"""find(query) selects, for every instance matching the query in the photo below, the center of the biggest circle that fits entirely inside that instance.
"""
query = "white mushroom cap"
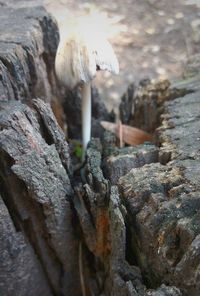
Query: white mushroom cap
(83, 50)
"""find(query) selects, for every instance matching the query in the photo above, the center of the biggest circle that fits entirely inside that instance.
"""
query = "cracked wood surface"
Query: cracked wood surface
(135, 210)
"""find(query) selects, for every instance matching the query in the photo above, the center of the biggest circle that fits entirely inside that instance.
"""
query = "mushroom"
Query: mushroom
(82, 51)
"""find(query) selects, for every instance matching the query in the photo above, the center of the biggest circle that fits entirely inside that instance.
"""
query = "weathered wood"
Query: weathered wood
(163, 204)
(142, 106)
(52, 132)
(37, 190)
(156, 218)
(20, 269)
(127, 222)
(28, 41)
(103, 220)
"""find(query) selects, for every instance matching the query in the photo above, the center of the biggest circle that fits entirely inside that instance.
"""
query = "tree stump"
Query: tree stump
(127, 222)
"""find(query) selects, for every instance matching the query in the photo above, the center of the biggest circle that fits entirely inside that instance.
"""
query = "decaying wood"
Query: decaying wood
(126, 223)
(37, 187)
(20, 269)
(142, 106)
(162, 201)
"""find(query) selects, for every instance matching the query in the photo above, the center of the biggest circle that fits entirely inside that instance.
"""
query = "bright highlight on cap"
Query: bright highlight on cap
(83, 49)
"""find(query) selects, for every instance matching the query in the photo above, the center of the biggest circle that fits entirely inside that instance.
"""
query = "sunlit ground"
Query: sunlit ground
(152, 39)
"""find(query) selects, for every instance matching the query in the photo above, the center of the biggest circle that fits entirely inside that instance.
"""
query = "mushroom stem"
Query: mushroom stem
(86, 115)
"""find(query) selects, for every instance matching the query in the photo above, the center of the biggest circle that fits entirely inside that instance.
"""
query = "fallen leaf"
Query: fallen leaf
(126, 133)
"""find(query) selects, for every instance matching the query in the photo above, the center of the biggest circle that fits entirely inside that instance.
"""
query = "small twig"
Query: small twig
(80, 262)
(121, 143)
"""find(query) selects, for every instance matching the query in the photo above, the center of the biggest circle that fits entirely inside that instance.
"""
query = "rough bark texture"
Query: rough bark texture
(20, 269)
(39, 248)
(127, 222)
(28, 41)
(162, 201)
(37, 191)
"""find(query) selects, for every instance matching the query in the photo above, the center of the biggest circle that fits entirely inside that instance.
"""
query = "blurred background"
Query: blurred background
(152, 38)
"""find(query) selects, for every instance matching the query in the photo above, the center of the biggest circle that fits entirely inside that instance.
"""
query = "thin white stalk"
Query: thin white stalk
(86, 115)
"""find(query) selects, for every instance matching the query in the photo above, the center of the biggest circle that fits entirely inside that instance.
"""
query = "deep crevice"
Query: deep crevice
(5, 192)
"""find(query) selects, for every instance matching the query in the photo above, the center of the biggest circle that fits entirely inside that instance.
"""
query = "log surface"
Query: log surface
(38, 250)
(128, 222)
